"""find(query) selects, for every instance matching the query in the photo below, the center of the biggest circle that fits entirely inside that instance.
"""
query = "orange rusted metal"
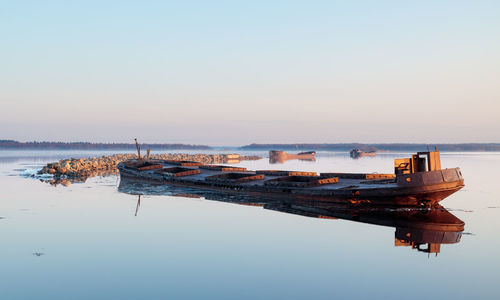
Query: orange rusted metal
(300, 181)
(234, 177)
(223, 168)
(285, 173)
(376, 176)
(179, 171)
(149, 167)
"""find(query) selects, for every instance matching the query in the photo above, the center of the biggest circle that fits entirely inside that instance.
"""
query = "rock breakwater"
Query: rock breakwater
(82, 168)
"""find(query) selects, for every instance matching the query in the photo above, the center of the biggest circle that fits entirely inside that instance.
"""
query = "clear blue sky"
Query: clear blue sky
(236, 72)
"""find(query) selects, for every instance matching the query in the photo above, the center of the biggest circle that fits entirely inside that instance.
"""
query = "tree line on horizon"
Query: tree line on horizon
(11, 144)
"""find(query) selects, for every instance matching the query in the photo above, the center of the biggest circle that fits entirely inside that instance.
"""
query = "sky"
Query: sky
(240, 72)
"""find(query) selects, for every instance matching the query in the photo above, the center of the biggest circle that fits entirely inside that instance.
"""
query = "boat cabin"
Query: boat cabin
(420, 162)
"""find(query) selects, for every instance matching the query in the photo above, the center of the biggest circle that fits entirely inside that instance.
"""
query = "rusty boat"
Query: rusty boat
(276, 156)
(357, 153)
(417, 181)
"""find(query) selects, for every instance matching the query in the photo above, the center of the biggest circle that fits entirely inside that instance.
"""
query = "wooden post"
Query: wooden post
(138, 149)
(138, 204)
(147, 153)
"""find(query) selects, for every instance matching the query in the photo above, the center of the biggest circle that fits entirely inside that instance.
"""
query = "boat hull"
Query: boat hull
(425, 188)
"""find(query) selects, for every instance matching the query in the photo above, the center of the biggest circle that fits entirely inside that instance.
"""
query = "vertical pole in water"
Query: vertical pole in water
(138, 149)
(138, 204)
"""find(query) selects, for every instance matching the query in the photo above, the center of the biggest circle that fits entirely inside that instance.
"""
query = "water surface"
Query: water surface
(85, 241)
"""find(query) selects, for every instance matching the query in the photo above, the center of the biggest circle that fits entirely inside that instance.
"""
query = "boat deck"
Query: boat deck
(341, 184)
(219, 174)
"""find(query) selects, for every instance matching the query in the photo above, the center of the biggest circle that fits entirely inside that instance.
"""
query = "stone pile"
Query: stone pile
(88, 167)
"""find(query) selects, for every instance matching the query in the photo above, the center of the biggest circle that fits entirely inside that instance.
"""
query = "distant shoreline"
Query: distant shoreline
(381, 147)
(465, 147)
(15, 145)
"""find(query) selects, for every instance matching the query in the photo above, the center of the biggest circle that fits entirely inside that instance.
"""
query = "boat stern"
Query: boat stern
(421, 175)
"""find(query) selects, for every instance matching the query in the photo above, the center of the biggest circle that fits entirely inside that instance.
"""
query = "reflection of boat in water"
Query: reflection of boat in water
(281, 156)
(357, 153)
(418, 180)
(424, 229)
(415, 227)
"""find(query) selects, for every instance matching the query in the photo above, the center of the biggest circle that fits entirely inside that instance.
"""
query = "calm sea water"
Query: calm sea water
(85, 241)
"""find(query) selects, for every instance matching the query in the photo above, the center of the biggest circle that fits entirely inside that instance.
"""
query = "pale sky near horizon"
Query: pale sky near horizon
(237, 72)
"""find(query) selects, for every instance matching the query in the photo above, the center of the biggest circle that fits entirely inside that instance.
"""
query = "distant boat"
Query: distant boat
(355, 153)
(276, 156)
(307, 153)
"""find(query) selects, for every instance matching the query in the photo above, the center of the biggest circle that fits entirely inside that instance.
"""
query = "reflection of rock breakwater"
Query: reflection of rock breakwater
(74, 169)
